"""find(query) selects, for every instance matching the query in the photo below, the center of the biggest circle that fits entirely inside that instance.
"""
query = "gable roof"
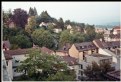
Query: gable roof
(16, 52)
(101, 44)
(98, 43)
(85, 46)
(69, 60)
(111, 44)
(46, 50)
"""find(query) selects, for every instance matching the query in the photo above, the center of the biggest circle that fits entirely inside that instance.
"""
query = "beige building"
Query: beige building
(79, 50)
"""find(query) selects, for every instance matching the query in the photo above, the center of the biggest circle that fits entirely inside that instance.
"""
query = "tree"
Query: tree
(35, 11)
(90, 32)
(42, 67)
(67, 22)
(20, 17)
(77, 37)
(65, 37)
(32, 11)
(31, 25)
(45, 17)
(97, 72)
(6, 17)
(21, 40)
(60, 23)
(43, 38)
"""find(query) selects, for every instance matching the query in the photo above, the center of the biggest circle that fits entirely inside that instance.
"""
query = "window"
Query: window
(81, 66)
(16, 61)
(80, 47)
(81, 72)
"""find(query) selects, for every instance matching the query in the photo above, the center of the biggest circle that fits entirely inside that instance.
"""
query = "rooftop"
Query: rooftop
(69, 60)
(85, 46)
(98, 55)
(115, 74)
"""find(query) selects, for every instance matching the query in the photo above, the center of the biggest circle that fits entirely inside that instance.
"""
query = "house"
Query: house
(112, 48)
(107, 45)
(43, 24)
(6, 75)
(99, 30)
(6, 45)
(80, 49)
(116, 30)
(98, 58)
(69, 27)
(16, 56)
(57, 30)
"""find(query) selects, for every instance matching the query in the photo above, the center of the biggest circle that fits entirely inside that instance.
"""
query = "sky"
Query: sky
(83, 12)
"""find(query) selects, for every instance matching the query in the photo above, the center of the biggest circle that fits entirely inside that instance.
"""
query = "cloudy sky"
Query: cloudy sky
(84, 12)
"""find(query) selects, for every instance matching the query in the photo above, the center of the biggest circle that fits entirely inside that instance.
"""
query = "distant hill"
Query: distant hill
(108, 25)
(113, 23)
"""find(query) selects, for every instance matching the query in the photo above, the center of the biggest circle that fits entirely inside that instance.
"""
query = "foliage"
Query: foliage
(43, 38)
(77, 37)
(97, 72)
(31, 25)
(60, 23)
(32, 11)
(20, 17)
(65, 37)
(41, 67)
(21, 40)
(45, 17)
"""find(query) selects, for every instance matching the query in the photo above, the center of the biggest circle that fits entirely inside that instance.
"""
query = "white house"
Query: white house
(57, 30)
(98, 58)
(69, 27)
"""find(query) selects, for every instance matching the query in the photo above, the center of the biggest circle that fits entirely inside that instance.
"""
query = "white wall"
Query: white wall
(10, 69)
(108, 53)
(15, 64)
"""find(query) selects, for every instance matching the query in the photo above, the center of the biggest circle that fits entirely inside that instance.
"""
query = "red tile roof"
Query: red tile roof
(115, 74)
(85, 46)
(70, 60)
(46, 50)
(98, 43)
(16, 52)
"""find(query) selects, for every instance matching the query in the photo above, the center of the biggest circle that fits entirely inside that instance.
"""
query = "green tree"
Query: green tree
(21, 40)
(90, 32)
(77, 37)
(32, 11)
(97, 72)
(45, 17)
(65, 37)
(60, 23)
(31, 25)
(43, 38)
(42, 67)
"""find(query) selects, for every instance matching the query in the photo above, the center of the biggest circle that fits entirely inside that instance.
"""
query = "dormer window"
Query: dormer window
(64, 48)
(80, 47)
